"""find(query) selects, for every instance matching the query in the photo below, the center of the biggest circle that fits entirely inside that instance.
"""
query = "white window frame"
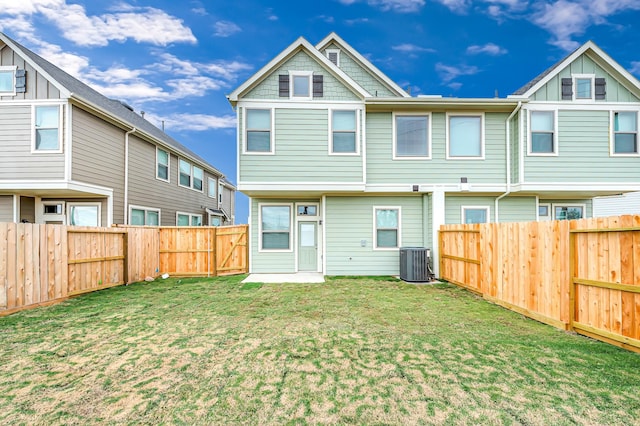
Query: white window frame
(190, 216)
(575, 78)
(612, 136)
(12, 69)
(395, 136)
(291, 218)
(482, 135)
(375, 228)
(211, 216)
(71, 204)
(168, 164)
(556, 138)
(463, 212)
(145, 209)
(337, 52)
(549, 215)
(191, 175)
(357, 132)
(305, 217)
(292, 76)
(554, 205)
(211, 183)
(33, 129)
(272, 130)
(54, 217)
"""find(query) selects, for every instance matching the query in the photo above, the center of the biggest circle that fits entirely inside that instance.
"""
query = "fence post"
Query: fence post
(213, 254)
(572, 274)
(125, 254)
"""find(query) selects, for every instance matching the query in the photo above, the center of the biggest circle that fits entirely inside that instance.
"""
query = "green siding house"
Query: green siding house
(342, 167)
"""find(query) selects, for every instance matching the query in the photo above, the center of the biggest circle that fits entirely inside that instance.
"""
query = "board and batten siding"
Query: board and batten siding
(98, 156)
(360, 75)
(551, 91)
(302, 139)
(147, 191)
(350, 222)
(333, 90)
(17, 162)
(269, 262)
(38, 87)
(583, 153)
(6, 208)
(382, 168)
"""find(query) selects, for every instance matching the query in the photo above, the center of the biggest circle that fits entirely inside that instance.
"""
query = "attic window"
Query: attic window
(300, 85)
(7, 80)
(334, 56)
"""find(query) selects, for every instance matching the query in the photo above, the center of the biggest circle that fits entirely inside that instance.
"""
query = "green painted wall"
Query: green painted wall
(583, 143)
(302, 152)
(512, 209)
(349, 221)
(616, 92)
(265, 262)
(333, 89)
(381, 168)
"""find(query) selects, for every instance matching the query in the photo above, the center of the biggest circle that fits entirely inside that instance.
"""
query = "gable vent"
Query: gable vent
(334, 56)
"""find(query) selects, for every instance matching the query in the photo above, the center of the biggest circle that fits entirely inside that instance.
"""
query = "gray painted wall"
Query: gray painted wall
(6, 208)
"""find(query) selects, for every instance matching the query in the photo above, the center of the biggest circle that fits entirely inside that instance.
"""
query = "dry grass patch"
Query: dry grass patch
(363, 351)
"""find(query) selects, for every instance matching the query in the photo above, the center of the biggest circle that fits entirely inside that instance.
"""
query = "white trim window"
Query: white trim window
(333, 55)
(465, 136)
(624, 138)
(411, 136)
(259, 131)
(144, 216)
(544, 211)
(211, 187)
(569, 211)
(190, 176)
(47, 125)
(188, 219)
(275, 227)
(163, 159)
(542, 133)
(344, 136)
(475, 214)
(83, 214)
(8, 80)
(584, 85)
(301, 85)
(386, 228)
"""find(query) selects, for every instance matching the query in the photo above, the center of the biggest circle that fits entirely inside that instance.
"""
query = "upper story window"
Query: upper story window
(583, 87)
(333, 55)
(190, 176)
(258, 124)
(144, 216)
(211, 187)
(47, 124)
(473, 214)
(542, 139)
(7, 80)
(625, 133)
(300, 85)
(387, 227)
(162, 164)
(411, 136)
(465, 136)
(343, 132)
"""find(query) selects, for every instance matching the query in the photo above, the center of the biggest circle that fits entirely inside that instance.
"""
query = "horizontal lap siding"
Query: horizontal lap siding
(266, 262)
(453, 207)
(583, 143)
(16, 159)
(382, 168)
(6, 208)
(349, 220)
(301, 134)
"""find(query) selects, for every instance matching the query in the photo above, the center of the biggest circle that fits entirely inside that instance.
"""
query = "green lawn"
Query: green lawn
(363, 351)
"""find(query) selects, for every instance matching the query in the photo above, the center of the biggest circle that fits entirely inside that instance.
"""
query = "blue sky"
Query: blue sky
(176, 60)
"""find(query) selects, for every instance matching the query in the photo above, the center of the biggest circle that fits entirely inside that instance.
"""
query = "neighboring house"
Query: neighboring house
(617, 205)
(343, 167)
(72, 156)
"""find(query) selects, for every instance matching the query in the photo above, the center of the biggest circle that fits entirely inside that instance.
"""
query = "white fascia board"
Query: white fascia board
(301, 187)
(55, 185)
(578, 186)
(299, 44)
(447, 187)
(333, 37)
(64, 92)
(598, 54)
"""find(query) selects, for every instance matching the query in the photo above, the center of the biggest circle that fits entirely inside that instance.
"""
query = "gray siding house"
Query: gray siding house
(72, 156)
(343, 167)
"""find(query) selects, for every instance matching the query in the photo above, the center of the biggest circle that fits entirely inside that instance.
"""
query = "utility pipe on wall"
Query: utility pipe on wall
(508, 160)
(126, 176)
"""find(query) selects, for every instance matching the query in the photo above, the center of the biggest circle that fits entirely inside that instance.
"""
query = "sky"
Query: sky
(177, 60)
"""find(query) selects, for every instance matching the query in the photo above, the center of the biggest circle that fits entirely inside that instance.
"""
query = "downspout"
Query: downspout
(126, 175)
(508, 160)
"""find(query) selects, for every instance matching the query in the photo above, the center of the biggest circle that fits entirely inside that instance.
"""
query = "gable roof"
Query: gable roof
(364, 62)
(590, 49)
(73, 88)
(299, 45)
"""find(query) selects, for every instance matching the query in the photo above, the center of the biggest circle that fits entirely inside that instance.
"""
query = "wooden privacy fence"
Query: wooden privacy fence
(44, 264)
(582, 275)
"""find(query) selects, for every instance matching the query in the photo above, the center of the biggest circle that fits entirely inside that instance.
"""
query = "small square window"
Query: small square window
(583, 88)
(543, 211)
(475, 215)
(301, 86)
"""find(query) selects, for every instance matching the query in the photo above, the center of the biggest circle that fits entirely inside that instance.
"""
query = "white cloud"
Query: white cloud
(449, 73)
(200, 11)
(225, 29)
(400, 6)
(356, 21)
(26, 7)
(455, 85)
(458, 6)
(489, 49)
(411, 48)
(194, 122)
(326, 18)
(635, 68)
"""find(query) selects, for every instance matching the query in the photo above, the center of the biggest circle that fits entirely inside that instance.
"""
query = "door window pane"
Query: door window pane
(307, 235)
(465, 136)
